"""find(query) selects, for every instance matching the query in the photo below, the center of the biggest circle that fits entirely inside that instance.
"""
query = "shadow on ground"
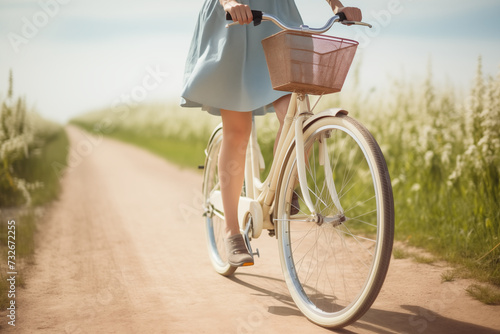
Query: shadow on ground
(413, 320)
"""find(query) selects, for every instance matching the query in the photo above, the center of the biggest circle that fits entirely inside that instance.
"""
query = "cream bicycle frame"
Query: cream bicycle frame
(260, 196)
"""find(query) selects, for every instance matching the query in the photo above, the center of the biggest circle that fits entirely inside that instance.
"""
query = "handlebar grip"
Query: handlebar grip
(257, 17)
(341, 16)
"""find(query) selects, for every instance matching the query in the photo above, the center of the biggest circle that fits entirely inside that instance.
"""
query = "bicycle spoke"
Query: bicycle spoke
(364, 214)
(357, 203)
(353, 254)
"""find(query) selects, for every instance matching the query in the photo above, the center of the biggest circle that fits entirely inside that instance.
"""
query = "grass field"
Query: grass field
(442, 148)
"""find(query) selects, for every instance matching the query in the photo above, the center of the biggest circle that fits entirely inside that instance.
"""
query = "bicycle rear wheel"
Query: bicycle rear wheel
(214, 217)
(335, 264)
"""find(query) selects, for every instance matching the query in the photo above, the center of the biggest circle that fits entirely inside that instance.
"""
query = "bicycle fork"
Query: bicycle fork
(324, 160)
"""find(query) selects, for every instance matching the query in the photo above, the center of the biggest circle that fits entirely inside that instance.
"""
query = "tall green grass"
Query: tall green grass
(443, 153)
(23, 137)
(28, 146)
(442, 148)
(37, 168)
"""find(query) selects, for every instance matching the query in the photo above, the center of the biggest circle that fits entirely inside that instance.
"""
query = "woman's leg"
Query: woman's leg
(236, 128)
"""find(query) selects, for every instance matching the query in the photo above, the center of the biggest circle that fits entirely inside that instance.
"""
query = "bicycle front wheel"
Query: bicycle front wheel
(214, 216)
(335, 259)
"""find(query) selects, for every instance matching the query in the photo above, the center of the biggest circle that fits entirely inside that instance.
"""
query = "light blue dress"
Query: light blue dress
(226, 67)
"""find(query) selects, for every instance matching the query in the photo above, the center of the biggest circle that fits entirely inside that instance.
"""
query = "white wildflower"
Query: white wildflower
(490, 123)
(22, 186)
(473, 157)
(457, 172)
(428, 158)
(395, 182)
(445, 154)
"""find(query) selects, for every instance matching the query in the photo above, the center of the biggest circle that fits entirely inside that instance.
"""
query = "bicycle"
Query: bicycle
(335, 246)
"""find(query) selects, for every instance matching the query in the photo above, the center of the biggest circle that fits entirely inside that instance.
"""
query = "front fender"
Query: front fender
(332, 112)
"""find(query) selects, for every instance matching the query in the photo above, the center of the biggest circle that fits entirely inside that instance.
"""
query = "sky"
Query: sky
(69, 57)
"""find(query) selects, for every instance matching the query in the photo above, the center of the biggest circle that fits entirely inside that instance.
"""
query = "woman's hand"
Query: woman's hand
(351, 13)
(239, 12)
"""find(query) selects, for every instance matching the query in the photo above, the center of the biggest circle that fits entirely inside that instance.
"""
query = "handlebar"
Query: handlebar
(259, 16)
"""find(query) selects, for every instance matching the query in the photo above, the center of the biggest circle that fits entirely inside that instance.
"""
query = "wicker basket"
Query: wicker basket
(309, 64)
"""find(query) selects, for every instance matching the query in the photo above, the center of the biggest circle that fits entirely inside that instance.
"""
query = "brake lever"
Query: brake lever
(356, 23)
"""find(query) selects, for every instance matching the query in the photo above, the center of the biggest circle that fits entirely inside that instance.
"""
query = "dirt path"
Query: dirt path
(123, 251)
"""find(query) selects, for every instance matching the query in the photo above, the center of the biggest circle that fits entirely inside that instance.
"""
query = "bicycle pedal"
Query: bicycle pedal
(256, 252)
